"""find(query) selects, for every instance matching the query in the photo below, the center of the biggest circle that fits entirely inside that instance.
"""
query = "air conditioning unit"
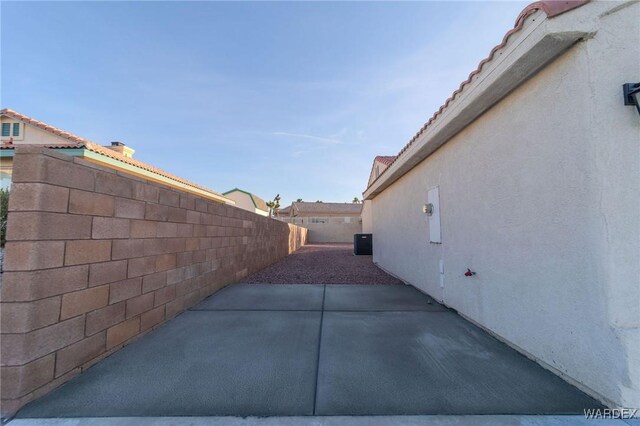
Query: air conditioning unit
(363, 244)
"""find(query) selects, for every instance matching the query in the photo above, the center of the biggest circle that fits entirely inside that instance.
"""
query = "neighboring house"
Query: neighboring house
(326, 222)
(529, 177)
(248, 201)
(380, 164)
(283, 212)
(18, 129)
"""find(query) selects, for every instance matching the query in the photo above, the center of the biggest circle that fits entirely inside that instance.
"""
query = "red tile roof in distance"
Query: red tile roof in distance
(550, 8)
(385, 159)
(81, 143)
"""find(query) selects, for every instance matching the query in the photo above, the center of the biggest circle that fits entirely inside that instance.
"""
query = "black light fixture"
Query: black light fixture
(631, 93)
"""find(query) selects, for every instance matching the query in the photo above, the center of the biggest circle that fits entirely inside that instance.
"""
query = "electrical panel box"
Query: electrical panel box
(433, 198)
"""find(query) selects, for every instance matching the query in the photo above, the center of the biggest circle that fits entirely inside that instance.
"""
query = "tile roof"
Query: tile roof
(260, 203)
(82, 143)
(326, 208)
(550, 7)
(385, 159)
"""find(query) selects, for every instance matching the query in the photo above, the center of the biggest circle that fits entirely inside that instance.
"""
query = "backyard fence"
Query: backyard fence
(96, 257)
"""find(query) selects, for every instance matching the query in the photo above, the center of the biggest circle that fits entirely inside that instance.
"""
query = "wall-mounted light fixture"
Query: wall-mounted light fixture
(427, 209)
(631, 93)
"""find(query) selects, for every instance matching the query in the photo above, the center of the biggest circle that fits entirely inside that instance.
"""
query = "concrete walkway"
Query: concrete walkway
(328, 263)
(325, 350)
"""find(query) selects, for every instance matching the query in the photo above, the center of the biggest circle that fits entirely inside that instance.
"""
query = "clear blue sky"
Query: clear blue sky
(289, 98)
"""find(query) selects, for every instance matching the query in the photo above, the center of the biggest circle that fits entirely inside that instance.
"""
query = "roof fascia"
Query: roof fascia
(116, 164)
(532, 48)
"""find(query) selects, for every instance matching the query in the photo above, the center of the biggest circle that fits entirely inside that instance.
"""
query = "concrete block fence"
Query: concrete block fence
(96, 258)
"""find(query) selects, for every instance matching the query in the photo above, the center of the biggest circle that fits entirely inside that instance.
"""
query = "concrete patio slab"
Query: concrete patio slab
(202, 363)
(218, 361)
(378, 298)
(277, 297)
(403, 363)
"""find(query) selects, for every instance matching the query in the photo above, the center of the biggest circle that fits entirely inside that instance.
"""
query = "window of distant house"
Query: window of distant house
(317, 220)
(10, 129)
(347, 220)
(377, 171)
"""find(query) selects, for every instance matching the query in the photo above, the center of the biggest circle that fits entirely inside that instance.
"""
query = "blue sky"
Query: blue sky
(271, 97)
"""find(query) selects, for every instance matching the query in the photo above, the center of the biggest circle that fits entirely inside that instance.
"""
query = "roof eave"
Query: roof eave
(112, 163)
(536, 45)
(147, 174)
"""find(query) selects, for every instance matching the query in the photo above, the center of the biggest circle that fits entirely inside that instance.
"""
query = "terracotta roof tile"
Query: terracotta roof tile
(80, 142)
(284, 210)
(385, 159)
(551, 8)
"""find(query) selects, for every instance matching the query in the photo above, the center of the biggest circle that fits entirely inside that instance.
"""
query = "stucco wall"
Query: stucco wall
(367, 217)
(333, 229)
(244, 202)
(96, 258)
(333, 232)
(540, 197)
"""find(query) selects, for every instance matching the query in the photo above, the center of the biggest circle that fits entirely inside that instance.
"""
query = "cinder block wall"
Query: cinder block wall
(96, 258)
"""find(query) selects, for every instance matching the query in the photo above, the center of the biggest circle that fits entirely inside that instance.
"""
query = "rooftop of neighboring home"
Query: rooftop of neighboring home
(385, 159)
(285, 211)
(320, 208)
(258, 202)
(380, 164)
(15, 132)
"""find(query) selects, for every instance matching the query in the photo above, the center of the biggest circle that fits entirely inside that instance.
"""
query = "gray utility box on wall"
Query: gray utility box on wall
(362, 244)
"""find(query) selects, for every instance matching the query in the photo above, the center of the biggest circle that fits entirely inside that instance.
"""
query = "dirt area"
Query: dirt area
(323, 264)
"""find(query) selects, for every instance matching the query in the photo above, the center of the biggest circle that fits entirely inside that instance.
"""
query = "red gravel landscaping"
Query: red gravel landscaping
(323, 264)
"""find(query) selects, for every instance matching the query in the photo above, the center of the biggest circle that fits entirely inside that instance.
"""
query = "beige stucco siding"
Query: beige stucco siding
(367, 217)
(328, 228)
(540, 197)
(332, 232)
(244, 202)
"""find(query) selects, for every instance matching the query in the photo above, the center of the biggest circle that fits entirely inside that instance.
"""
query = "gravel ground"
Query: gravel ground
(323, 264)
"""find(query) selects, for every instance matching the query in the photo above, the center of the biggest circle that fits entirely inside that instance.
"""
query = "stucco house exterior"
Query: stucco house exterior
(519, 197)
(19, 129)
(248, 201)
(283, 212)
(380, 164)
(326, 222)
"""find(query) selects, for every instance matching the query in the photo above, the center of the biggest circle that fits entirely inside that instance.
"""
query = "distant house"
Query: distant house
(380, 164)
(326, 222)
(283, 212)
(248, 201)
(18, 129)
